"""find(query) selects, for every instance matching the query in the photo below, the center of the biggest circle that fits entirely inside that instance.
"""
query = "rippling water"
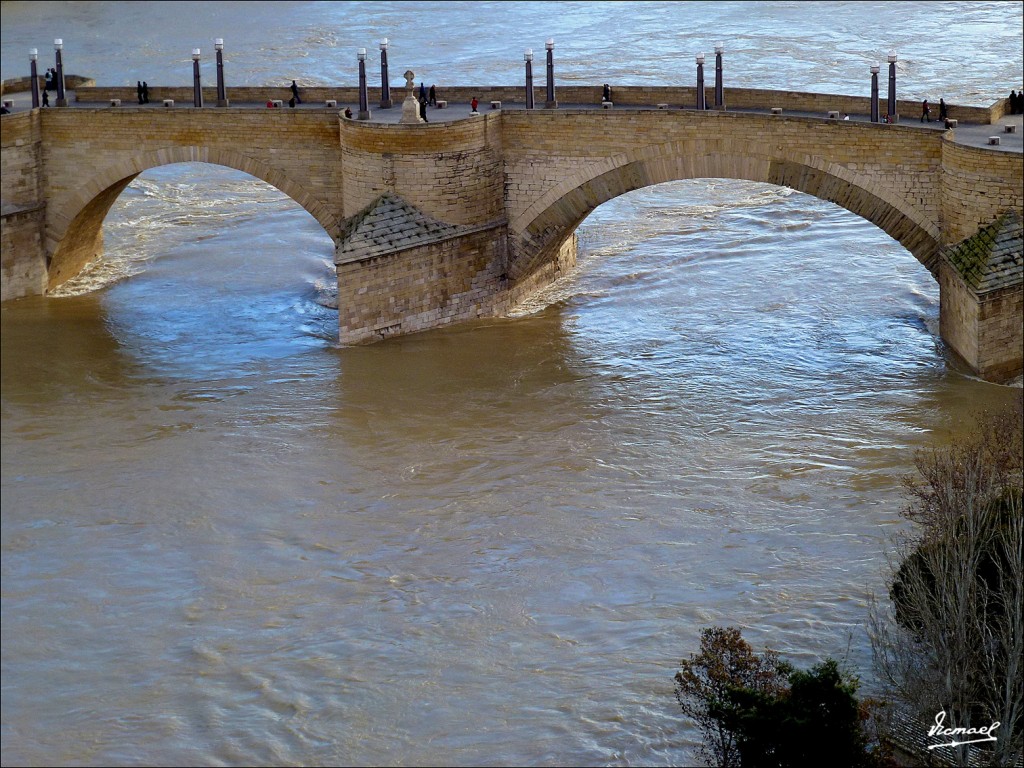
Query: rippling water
(227, 540)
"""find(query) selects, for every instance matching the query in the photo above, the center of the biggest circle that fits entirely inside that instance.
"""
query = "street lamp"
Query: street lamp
(891, 105)
(874, 93)
(364, 107)
(222, 94)
(33, 54)
(719, 95)
(58, 46)
(197, 90)
(528, 58)
(385, 88)
(700, 82)
(550, 102)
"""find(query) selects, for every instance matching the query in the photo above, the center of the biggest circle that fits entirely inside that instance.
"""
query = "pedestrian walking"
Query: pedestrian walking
(473, 105)
(423, 92)
(607, 95)
(432, 101)
(1014, 102)
(49, 80)
(943, 110)
(46, 98)
(145, 92)
(138, 90)
(423, 110)
(295, 93)
(926, 112)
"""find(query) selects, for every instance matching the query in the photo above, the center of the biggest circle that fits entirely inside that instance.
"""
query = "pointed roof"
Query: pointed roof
(387, 225)
(993, 257)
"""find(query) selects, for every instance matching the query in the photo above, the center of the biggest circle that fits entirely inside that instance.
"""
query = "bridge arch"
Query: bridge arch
(538, 232)
(74, 223)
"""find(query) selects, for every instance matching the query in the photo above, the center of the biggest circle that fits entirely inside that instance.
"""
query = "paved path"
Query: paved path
(971, 134)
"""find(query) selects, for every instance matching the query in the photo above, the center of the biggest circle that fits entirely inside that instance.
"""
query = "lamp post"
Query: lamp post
(197, 89)
(550, 102)
(385, 88)
(874, 93)
(891, 105)
(364, 107)
(222, 94)
(58, 46)
(528, 58)
(33, 54)
(700, 82)
(719, 95)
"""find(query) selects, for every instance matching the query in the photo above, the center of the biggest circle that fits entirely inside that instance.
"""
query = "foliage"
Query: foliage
(756, 711)
(953, 640)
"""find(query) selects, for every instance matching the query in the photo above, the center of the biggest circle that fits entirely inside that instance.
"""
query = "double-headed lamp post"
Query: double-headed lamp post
(874, 93)
(364, 107)
(58, 46)
(385, 88)
(891, 104)
(719, 94)
(222, 94)
(700, 82)
(528, 58)
(550, 102)
(33, 55)
(197, 89)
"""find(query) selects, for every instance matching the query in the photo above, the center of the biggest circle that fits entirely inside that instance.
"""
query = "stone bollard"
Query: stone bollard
(442, 104)
(833, 115)
(168, 102)
(331, 104)
(776, 110)
(606, 105)
(495, 105)
(663, 106)
(994, 140)
(1010, 128)
(115, 102)
(951, 123)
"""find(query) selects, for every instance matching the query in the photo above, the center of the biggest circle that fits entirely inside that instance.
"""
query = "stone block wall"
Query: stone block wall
(1001, 332)
(22, 258)
(416, 289)
(977, 186)
(450, 171)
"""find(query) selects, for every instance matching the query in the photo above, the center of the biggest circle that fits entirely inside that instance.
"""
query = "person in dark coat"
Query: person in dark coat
(432, 101)
(46, 99)
(145, 92)
(295, 93)
(138, 90)
(1014, 103)
(943, 111)
(423, 92)
(49, 80)
(926, 111)
(423, 110)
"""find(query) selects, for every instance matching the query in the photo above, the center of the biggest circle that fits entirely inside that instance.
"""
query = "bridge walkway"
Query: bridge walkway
(969, 134)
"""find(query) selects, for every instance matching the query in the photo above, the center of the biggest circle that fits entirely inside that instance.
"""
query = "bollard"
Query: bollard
(168, 102)
(495, 105)
(331, 103)
(776, 110)
(115, 102)
(994, 140)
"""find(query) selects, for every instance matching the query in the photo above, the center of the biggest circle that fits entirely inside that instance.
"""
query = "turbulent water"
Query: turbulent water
(228, 540)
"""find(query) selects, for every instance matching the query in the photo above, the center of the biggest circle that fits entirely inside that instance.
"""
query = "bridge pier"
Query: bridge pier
(981, 300)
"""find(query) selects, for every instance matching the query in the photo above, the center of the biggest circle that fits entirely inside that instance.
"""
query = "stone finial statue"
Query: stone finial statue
(410, 107)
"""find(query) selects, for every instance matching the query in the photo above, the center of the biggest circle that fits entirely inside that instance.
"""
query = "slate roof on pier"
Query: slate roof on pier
(387, 225)
(992, 258)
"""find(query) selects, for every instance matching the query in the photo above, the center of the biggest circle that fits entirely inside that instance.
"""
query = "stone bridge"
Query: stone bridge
(447, 221)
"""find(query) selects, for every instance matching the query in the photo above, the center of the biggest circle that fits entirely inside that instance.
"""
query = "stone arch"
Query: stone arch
(74, 235)
(538, 232)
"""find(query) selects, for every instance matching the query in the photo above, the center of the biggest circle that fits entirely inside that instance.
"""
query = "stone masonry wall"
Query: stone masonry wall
(22, 260)
(450, 171)
(958, 315)
(1001, 343)
(977, 186)
(421, 288)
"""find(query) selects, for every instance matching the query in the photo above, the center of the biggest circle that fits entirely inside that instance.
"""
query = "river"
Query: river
(227, 540)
